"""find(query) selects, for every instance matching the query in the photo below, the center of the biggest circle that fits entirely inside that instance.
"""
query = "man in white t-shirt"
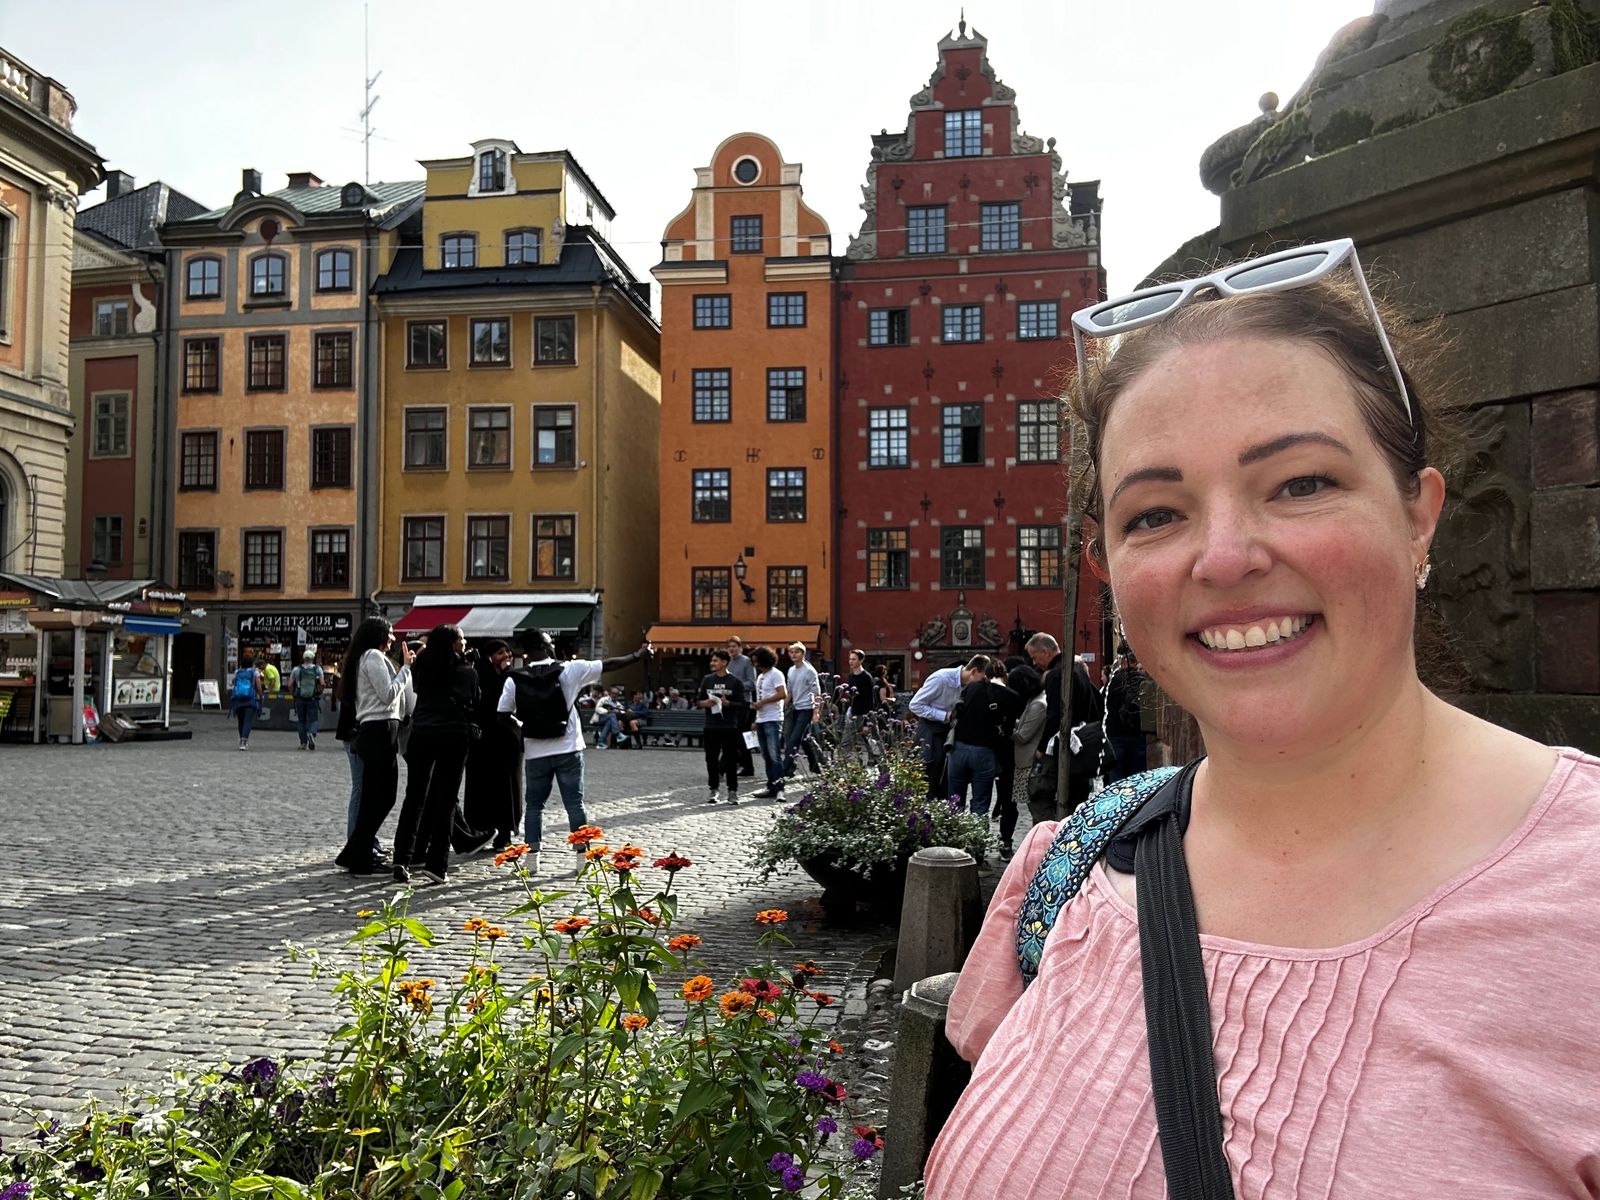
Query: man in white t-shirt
(770, 693)
(559, 759)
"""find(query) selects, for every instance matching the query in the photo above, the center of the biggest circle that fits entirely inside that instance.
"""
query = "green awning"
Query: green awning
(556, 618)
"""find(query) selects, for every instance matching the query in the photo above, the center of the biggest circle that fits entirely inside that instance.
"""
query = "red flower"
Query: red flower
(834, 1092)
(764, 990)
(673, 862)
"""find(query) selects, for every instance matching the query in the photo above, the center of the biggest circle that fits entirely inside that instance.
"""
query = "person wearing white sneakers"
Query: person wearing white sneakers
(723, 698)
(537, 701)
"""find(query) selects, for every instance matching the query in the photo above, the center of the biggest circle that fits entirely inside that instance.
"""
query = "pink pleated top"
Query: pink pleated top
(1455, 1053)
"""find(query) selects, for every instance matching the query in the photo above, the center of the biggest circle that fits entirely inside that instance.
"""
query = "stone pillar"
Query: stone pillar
(928, 1080)
(940, 918)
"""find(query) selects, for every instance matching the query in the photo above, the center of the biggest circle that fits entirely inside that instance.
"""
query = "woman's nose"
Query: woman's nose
(1231, 548)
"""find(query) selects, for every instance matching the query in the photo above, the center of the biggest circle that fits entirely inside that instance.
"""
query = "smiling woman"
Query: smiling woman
(1379, 886)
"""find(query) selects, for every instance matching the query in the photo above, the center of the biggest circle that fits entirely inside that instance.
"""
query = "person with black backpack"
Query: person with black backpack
(537, 701)
(1125, 740)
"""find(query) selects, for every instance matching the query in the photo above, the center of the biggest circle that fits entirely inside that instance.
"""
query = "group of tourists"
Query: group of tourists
(252, 685)
(511, 732)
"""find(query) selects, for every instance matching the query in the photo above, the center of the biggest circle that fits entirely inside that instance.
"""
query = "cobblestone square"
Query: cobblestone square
(152, 888)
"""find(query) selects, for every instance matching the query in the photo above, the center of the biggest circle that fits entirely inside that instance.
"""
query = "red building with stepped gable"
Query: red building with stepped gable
(953, 322)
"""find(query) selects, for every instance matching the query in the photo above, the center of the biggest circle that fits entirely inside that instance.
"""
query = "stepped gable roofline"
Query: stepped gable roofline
(527, 156)
(132, 221)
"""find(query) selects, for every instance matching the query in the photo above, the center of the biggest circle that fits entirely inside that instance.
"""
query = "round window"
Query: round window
(747, 170)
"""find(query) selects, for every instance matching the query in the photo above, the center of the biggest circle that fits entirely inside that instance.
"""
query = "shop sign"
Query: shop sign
(136, 693)
(14, 621)
(165, 608)
(152, 594)
(317, 626)
(15, 600)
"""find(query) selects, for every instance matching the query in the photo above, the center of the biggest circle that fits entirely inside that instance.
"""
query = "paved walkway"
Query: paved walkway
(150, 889)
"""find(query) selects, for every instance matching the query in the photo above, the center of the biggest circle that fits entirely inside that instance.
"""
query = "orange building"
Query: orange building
(747, 454)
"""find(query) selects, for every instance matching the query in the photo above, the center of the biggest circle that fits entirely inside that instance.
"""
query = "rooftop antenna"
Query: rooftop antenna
(372, 101)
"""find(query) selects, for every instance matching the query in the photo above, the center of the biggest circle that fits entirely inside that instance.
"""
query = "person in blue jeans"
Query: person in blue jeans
(804, 691)
(305, 685)
(770, 692)
(553, 761)
(245, 698)
(988, 712)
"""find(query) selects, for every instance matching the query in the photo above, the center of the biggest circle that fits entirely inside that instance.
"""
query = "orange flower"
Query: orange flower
(596, 852)
(415, 993)
(734, 1003)
(585, 834)
(822, 998)
(570, 925)
(494, 933)
(835, 1047)
(623, 863)
(771, 916)
(698, 988)
(482, 973)
(634, 1022)
(766, 1014)
(475, 1002)
(476, 925)
(648, 917)
(678, 943)
(806, 969)
(510, 854)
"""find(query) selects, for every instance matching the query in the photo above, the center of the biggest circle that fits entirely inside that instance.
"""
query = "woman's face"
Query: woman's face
(1262, 555)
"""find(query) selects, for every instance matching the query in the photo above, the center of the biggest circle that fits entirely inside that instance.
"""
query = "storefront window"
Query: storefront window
(138, 671)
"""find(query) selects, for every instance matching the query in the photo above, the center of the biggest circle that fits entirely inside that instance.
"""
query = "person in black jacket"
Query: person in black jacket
(723, 698)
(983, 724)
(492, 798)
(1046, 654)
(1125, 740)
(441, 730)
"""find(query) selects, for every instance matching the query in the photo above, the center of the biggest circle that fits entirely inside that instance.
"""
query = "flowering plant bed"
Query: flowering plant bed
(864, 818)
(547, 1069)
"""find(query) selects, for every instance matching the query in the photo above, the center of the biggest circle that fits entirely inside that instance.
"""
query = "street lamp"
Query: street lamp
(740, 570)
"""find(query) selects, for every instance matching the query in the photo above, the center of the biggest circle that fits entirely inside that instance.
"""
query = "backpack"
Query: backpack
(244, 684)
(304, 676)
(1079, 842)
(541, 703)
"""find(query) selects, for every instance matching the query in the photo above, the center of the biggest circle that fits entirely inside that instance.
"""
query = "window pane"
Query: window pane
(1038, 432)
(786, 593)
(197, 561)
(263, 559)
(1038, 319)
(334, 271)
(268, 275)
(330, 458)
(425, 437)
(746, 235)
(555, 340)
(786, 309)
(555, 444)
(713, 312)
(460, 250)
(963, 322)
(925, 230)
(786, 494)
(711, 498)
(961, 556)
(786, 394)
(554, 547)
(330, 558)
(712, 593)
(488, 547)
(424, 548)
(203, 278)
(111, 425)
(425, 346)
(1039, 556)
(200, 365)
(886, 437)
(522, 248)
(335, 353)
(1000, 227)
(266, 363)
(963, 434)
(489, 437)
(198, 461)
(888, 558)
(963, 133)
(263, 467)
(491, 341)
(713, 398)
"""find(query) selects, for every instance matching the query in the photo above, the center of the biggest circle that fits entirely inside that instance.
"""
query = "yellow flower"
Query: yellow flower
(365, 912)
(364, 1132)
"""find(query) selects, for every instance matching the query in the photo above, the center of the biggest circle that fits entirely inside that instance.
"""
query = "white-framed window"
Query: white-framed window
(111, 318)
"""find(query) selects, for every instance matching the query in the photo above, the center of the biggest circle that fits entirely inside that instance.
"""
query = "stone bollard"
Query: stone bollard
(940, 918)
(928, 1079)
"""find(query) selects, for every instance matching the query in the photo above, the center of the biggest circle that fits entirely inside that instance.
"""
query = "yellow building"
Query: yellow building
(272, 371)
(520, 409)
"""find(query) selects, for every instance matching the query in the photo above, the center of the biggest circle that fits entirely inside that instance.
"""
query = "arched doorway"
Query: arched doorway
(13, 515)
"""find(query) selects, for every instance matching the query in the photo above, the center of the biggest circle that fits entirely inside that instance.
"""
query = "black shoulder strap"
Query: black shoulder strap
(1177, 1011)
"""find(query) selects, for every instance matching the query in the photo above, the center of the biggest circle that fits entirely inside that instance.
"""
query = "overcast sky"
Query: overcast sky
(641, 91)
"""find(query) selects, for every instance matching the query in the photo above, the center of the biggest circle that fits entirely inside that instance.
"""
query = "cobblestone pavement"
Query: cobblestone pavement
(151, 888)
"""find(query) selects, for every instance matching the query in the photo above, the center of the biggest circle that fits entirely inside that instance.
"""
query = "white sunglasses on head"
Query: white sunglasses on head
(1270, 273)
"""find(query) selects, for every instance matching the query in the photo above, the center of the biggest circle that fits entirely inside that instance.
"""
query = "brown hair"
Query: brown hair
(1331, 316)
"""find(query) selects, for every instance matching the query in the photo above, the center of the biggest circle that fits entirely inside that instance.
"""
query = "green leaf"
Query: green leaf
(669, 906)
(570, 1156)
(392, 970)
(699, 1094)
(370, 930)
(454, 1189)
(418, 930)
(603, 1177)
(646, 1184)
(566, 1048)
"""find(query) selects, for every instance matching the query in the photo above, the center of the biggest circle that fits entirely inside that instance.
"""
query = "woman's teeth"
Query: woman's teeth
(1281, 629)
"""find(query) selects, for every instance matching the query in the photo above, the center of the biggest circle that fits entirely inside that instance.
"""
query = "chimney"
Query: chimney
(118, 183)
(304, 179)
(250, 181)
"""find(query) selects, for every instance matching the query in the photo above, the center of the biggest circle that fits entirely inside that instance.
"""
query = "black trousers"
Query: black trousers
(435, 759)
(722, 757)
(492, 800)
(1005, 801)
(747, 762)
(376, 746)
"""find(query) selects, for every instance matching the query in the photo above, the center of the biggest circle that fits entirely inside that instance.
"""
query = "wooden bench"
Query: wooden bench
(687, 725)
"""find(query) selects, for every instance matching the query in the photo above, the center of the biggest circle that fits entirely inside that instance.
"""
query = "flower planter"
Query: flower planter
(845, 890)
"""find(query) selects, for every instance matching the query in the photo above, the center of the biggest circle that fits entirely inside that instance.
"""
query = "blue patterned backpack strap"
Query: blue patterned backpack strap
(1078, 844)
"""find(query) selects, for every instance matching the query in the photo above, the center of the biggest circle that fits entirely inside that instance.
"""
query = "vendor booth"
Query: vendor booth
(102, 657)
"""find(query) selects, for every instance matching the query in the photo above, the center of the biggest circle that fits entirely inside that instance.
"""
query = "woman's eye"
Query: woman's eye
(1306, 486)
(1154, 519)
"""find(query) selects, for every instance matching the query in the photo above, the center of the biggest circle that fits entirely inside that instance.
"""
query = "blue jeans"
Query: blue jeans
(306, 713)
(610, 727)
(566, 770)
(975, 765)
(799, 729)
(769, 736)
(245, 712)
(354, 760)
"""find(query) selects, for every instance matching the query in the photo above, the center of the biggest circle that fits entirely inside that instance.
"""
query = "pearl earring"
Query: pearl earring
(1425, 570)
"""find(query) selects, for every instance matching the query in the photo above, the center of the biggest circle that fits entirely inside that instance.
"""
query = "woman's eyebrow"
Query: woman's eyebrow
(1146, 475)
(1288, 441)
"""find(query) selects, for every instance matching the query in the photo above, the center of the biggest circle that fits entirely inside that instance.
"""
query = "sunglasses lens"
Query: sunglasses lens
(1135, 310)
(1268, 274)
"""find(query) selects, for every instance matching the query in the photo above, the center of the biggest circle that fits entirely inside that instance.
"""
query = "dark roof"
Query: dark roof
(132, 219)
(326, 198)
(585, 258)
(77, 591)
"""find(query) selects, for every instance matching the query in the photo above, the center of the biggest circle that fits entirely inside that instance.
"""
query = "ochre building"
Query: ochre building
(520, 409)
(747, 451)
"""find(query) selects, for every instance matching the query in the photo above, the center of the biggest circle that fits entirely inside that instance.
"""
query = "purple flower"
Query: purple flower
(261, 1074)
(883, 779)
(20, 1190)
(290, 1107)
(794, 1179)
(811, 1081)
(863, 1149)
(827, 1125)
(780, 1162)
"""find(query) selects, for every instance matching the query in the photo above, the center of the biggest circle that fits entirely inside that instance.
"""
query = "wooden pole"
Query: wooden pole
(1072, 454)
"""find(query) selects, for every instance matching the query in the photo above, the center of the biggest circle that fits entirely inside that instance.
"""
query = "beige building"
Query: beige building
(44, 167)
